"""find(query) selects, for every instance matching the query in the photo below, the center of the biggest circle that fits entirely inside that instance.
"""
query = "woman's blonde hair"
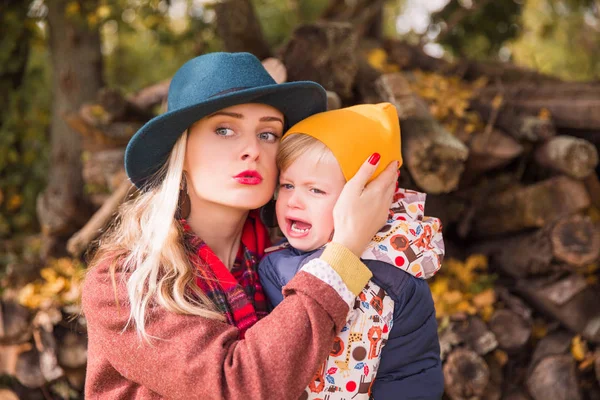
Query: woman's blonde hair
(294, 145)
(146, 240)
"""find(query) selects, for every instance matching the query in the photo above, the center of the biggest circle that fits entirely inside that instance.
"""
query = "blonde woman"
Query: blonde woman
(174, 306)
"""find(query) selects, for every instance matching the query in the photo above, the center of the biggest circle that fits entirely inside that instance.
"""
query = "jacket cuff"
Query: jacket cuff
(353, 272)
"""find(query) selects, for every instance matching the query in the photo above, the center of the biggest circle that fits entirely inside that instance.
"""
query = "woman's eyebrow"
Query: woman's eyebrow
(268, 119)
(227, 114)
(241, 116)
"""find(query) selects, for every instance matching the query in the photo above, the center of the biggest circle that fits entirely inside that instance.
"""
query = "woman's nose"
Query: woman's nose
(251, 150)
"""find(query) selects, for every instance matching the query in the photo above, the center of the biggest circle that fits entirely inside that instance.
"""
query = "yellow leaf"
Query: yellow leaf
(377, 58)
(486, 313)
(92, 20)
(439, 285)
(544, 114)
(103, 12)
(476, 261)
(485, 298)
(578, 348)
(539, 329)
(501, 357)
(466, 307)
(48, 274)
(72, 9)
(29, 295)
(452, 297)
(14, 202)
(497, 101)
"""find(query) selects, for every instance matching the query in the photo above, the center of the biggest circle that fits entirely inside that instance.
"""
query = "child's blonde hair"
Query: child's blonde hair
(293, 146)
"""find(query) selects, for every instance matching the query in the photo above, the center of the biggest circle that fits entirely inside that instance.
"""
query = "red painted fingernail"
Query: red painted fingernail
(374, 159)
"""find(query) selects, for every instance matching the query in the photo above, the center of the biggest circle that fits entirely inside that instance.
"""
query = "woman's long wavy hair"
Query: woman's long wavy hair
(146, 240)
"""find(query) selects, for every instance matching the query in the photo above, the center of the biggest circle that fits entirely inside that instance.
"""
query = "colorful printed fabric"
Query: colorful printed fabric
(237, 293)
(409, 240)
(350, 369)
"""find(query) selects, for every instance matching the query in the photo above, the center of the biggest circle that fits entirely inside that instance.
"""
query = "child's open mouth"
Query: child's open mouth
(298, 228)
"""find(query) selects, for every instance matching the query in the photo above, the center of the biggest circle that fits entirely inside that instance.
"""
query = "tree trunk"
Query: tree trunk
(324, 52)
(239, 28)
(15, 38)
(77, 66)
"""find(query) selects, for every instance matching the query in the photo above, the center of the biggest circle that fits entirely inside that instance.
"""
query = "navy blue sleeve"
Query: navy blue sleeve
(270, 280)
(410, 365)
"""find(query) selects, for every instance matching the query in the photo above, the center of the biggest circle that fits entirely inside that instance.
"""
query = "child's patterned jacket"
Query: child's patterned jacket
(392, 331)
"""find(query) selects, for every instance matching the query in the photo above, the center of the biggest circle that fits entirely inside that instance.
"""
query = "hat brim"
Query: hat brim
(149, 148)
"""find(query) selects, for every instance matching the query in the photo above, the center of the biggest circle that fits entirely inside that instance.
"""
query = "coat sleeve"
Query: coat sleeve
(270, 281)
(192, 357)
(410, 240)
(410, 361)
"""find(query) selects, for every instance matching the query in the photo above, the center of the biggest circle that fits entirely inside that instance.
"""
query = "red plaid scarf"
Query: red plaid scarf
(237, 293)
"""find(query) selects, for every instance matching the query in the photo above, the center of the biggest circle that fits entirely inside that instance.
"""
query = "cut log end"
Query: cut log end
(554, 377)
(572, 156)
(511, 330)
(576, 240)
(466, 375)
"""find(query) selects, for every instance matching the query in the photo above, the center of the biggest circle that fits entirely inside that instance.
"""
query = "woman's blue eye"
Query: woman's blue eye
(268, 137)
(224, 131)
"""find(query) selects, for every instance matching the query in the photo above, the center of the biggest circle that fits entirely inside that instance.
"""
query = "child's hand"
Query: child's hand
(361, 210)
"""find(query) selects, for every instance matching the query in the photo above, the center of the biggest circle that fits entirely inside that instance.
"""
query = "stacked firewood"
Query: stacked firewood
(509, 160)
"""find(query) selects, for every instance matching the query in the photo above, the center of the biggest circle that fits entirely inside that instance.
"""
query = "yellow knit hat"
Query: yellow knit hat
(354, 133)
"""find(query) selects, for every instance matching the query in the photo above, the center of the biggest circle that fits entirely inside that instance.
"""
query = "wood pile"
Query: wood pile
(510, 163)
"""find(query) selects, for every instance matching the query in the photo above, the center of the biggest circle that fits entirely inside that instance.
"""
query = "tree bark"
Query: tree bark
(409, 56)
(366, 16)
(434, 157)
(324, 52)
(532, 206)
(569, 300)
(570, 104)
(15, 37)
(519, 126)
(239, 28)
(573, 240)
(77, 66)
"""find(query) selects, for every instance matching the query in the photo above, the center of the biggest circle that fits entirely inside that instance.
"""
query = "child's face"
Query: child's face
(308, 191)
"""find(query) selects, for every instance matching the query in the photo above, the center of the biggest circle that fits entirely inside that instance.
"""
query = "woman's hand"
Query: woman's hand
(362, 209)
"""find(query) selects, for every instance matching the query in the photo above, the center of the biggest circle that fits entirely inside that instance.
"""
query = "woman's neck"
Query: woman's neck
(220, 228)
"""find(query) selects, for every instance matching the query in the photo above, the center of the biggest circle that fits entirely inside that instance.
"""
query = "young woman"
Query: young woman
(173, 303)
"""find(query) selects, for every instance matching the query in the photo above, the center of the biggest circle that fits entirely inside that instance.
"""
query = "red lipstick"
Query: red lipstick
(249, 177)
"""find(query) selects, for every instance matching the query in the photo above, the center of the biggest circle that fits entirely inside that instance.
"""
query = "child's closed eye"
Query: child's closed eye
(317, 191)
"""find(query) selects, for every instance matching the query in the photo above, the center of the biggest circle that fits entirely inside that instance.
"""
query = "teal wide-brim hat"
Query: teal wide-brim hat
(207, 84)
